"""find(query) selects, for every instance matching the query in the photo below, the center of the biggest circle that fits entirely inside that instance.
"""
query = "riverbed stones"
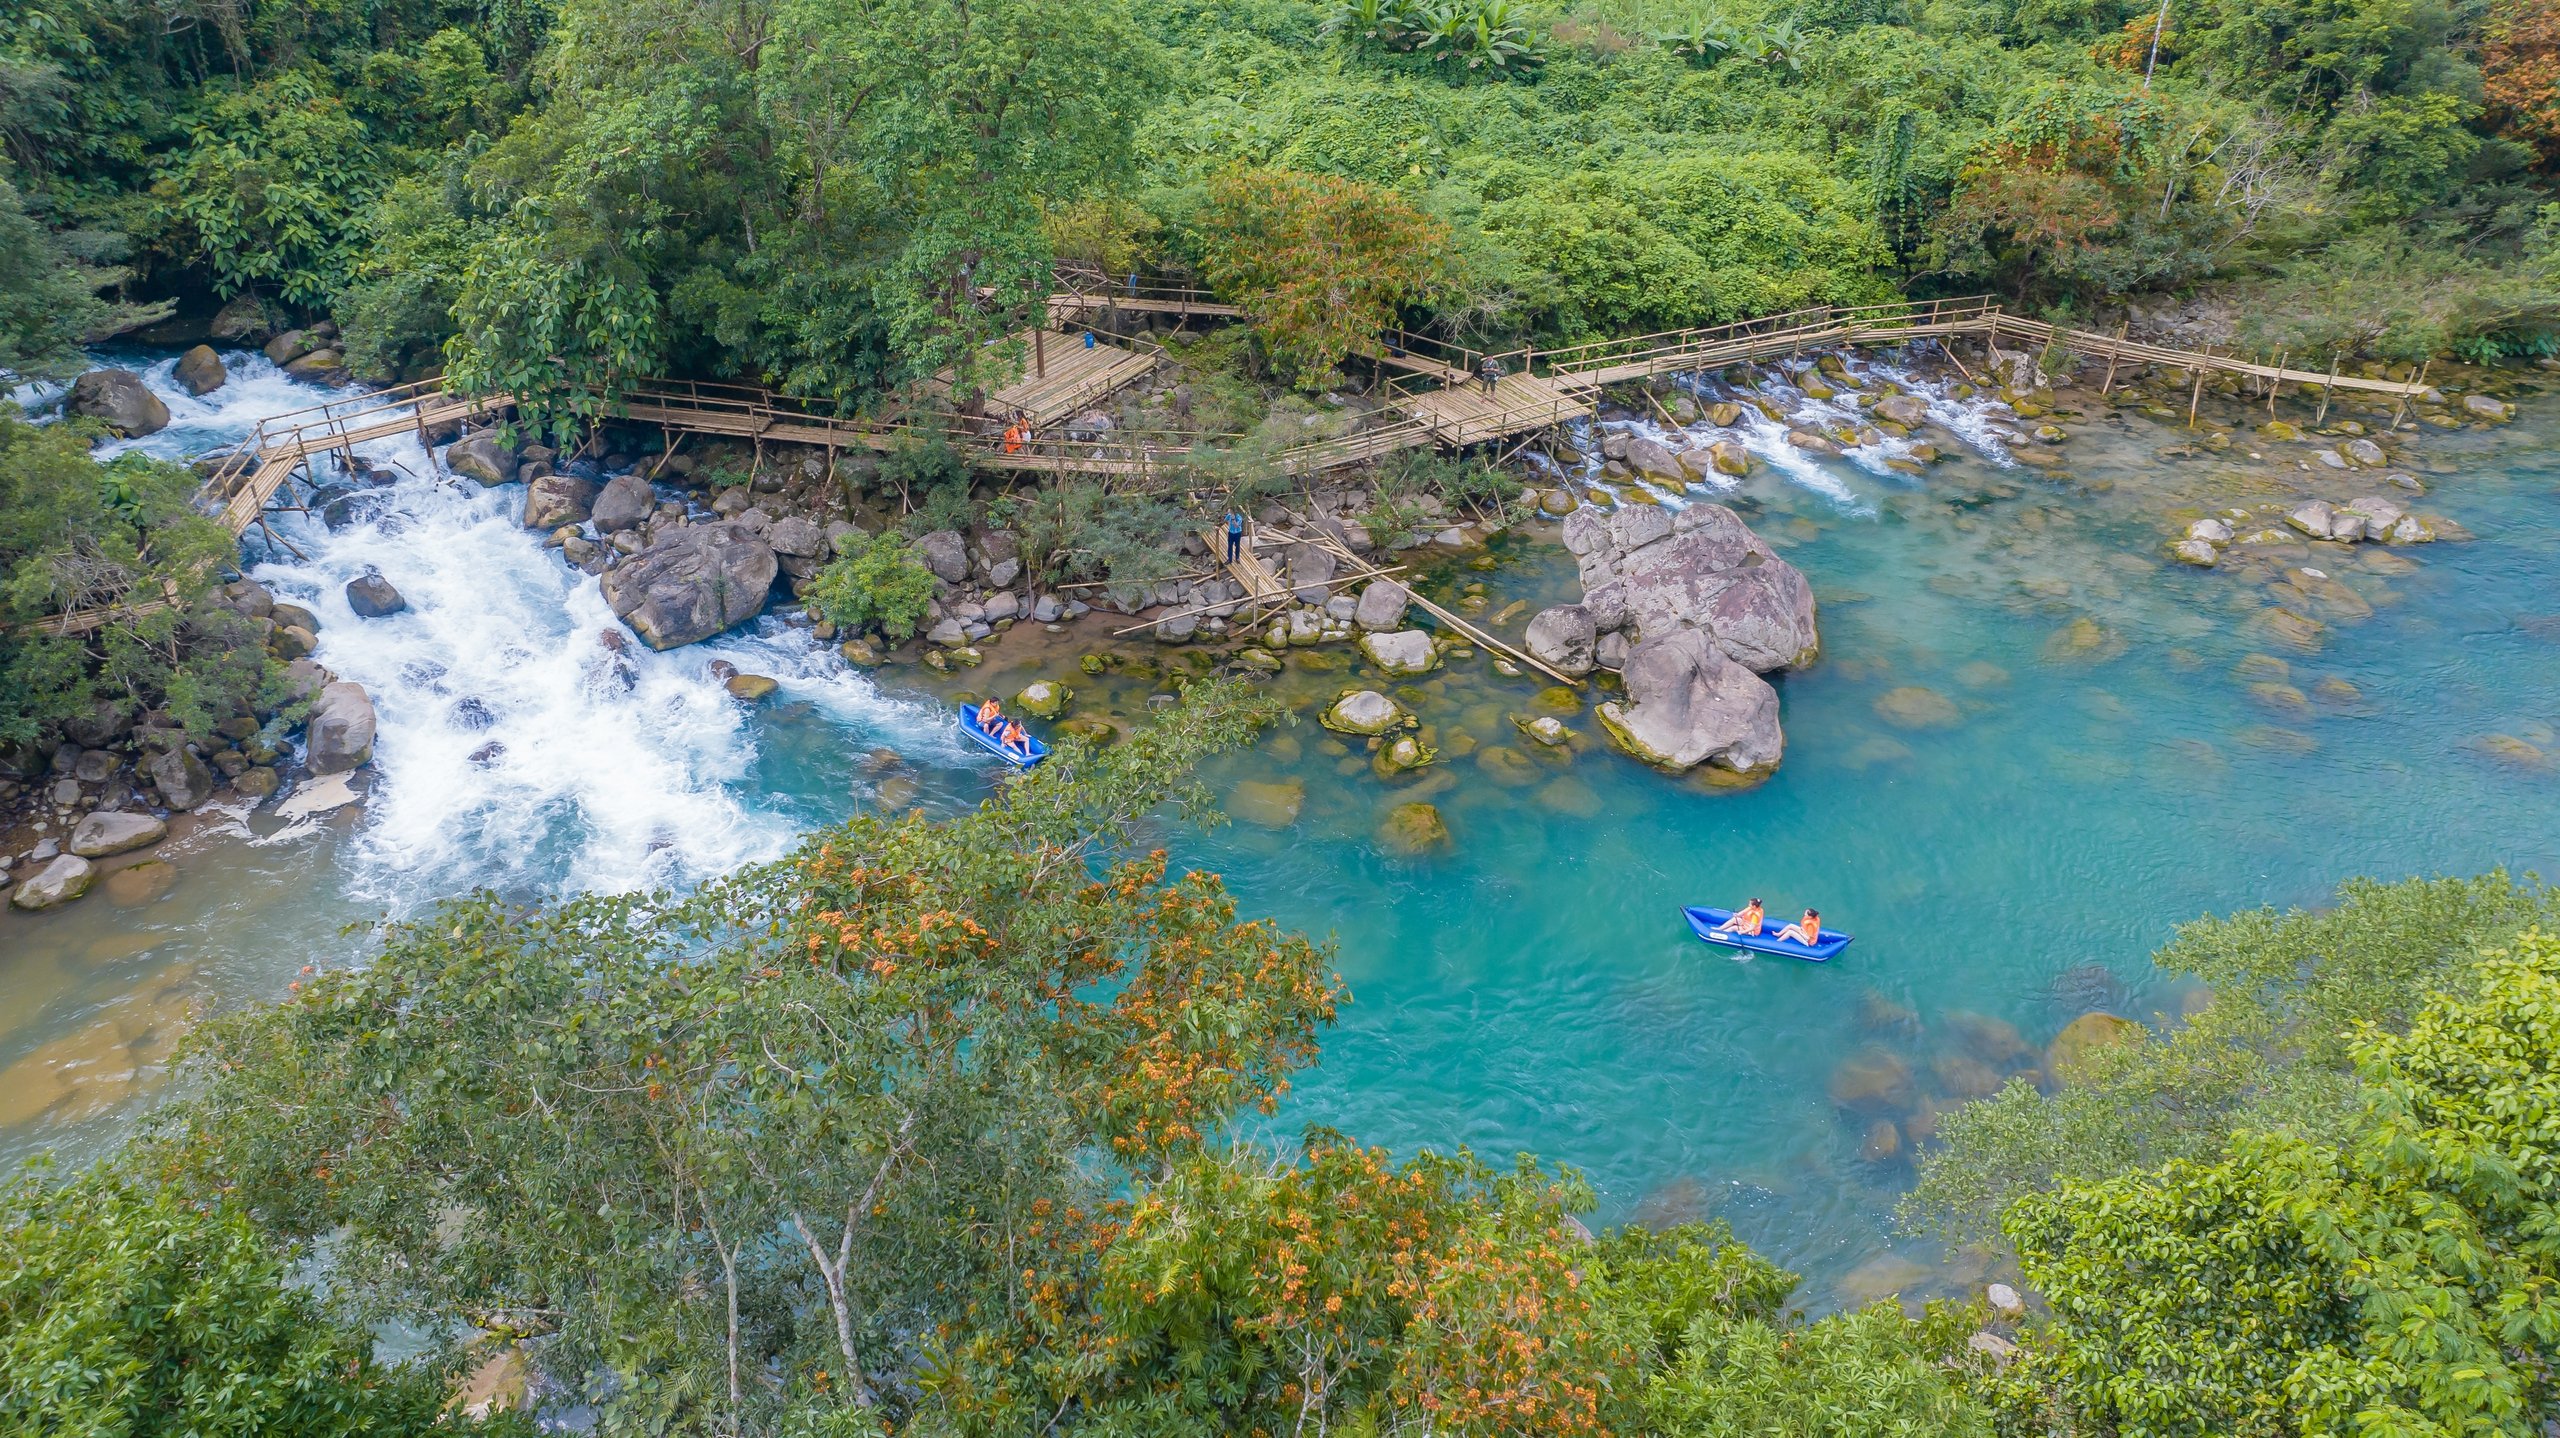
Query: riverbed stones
(200, 371)
(341, 729)
(1363, 711)
(107, 832)
(1401, 652)
(1916, 706)
(1413, 830)
(1382, 606)
(372, 597)
(1043, 698)
(2490, 408)
(120, 400)
(2196, 552)
(1402, 754)
(1564, 638)
(482, 457)
(1874, 1082)
(692, 583)
(1908, 410)
(1547, 730)
(63, 878)
(182, 779)
(1689, 703)
(625, 502)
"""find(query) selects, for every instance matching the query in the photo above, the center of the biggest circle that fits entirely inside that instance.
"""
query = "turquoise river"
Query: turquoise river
(2108, 743)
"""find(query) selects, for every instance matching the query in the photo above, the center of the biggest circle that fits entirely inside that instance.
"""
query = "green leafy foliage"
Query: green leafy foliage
(271, 186)
(878, 584)
(2402, 1278)
(126, 1312)
(77, 534)
(1320, 263)
(730, 1155)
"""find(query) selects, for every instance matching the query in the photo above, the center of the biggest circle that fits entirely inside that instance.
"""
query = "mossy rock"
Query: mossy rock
(1507, 766)
(1093, 664)
(1098, 732)
(1363, 711)
(753, 688)
(1402, 755)
(1044, 698)
(1556, 699)
(1413, 830)
(1260, 661)
(1320, 661)
(1914, 706)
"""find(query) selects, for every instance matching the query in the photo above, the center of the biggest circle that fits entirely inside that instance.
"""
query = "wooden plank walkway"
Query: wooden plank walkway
(1262, 584)
(1459, 415)
(1061, 375)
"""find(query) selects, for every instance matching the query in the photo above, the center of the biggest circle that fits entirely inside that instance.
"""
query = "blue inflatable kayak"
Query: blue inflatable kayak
(995, 746)
(1704, 921)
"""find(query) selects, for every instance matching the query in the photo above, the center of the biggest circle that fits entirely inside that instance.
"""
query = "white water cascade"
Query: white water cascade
(513, 748)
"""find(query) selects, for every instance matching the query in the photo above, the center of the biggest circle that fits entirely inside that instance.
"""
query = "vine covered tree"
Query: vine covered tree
(1322, 264)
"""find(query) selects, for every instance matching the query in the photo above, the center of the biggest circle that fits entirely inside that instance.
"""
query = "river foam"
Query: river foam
(514, 748)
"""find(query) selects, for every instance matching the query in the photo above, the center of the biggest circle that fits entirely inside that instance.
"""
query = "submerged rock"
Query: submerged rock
(1689, 704)
(1915, 706)
(1413, 830)
(1269, 804)
(2083, 1036)
(692, 583)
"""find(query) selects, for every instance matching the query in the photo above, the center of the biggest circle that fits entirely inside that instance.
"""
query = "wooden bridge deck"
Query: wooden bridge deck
(1459, 415)
(1262, 584)
(1061, 375)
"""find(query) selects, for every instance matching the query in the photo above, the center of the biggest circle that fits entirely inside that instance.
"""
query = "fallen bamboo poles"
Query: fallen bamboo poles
(1325, 540)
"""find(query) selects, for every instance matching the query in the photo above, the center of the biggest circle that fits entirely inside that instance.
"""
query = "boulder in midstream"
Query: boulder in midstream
(692, 583)
(1689, 703)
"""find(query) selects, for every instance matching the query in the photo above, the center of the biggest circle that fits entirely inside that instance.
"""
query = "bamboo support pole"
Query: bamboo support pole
(2331, 383)
(2275, 381)
(2113, 353)
(2195, 397)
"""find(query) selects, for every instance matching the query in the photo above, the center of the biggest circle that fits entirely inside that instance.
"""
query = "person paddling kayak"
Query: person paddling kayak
(1745, 920)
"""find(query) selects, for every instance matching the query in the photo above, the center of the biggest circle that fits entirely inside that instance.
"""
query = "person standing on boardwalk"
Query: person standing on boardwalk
(1235, 534)
(1492, 372)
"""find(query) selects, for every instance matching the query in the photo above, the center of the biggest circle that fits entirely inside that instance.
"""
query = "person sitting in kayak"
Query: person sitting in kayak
(1745, 920)
(1016, 740)
(988, 714)
(1806, 931)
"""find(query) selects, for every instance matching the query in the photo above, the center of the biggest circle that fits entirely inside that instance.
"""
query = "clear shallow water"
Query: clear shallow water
(2103, 765)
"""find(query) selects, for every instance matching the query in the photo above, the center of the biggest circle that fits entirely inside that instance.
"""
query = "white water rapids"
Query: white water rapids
(513, 749)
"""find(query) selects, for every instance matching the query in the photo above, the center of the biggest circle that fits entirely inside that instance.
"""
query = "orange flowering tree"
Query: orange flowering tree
(1248, 1294)
(2520, 72)
(1320, 263)
(727, 1154)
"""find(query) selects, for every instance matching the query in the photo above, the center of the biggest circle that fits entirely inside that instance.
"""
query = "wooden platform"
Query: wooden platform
(1463, 414)
(1060, 375)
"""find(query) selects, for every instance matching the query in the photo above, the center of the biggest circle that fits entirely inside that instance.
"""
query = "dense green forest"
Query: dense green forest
(834, 196)
(938, 1127)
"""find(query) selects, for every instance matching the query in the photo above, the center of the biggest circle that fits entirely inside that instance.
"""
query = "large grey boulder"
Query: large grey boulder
(692, 583)
(555, 500)
(119, 399)
(341, 730)
(1311, 571)
(66, 878)
(1703, 569)
(1690, 704)
(623, 504)
(1401, 652)
(106, 833)
(797, 537)
(372, 597)
(946, 553)
(246, 320)
(1382, 606)
(481, 457)
(200, 370)
(182, 779)
(1654, 459)
(1564, 639)
(1906, 410)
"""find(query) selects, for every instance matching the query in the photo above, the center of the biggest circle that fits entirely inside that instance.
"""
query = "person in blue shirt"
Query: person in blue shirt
(1235, 534)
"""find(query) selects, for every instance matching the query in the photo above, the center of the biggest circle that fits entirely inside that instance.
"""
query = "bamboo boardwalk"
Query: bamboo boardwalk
(1262, 584)
(1439, 404)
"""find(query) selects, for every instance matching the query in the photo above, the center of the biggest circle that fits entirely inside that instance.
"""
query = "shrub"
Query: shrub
(879, 584)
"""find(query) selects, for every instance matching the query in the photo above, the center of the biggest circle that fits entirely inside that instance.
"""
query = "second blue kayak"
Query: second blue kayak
(1704, 922)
